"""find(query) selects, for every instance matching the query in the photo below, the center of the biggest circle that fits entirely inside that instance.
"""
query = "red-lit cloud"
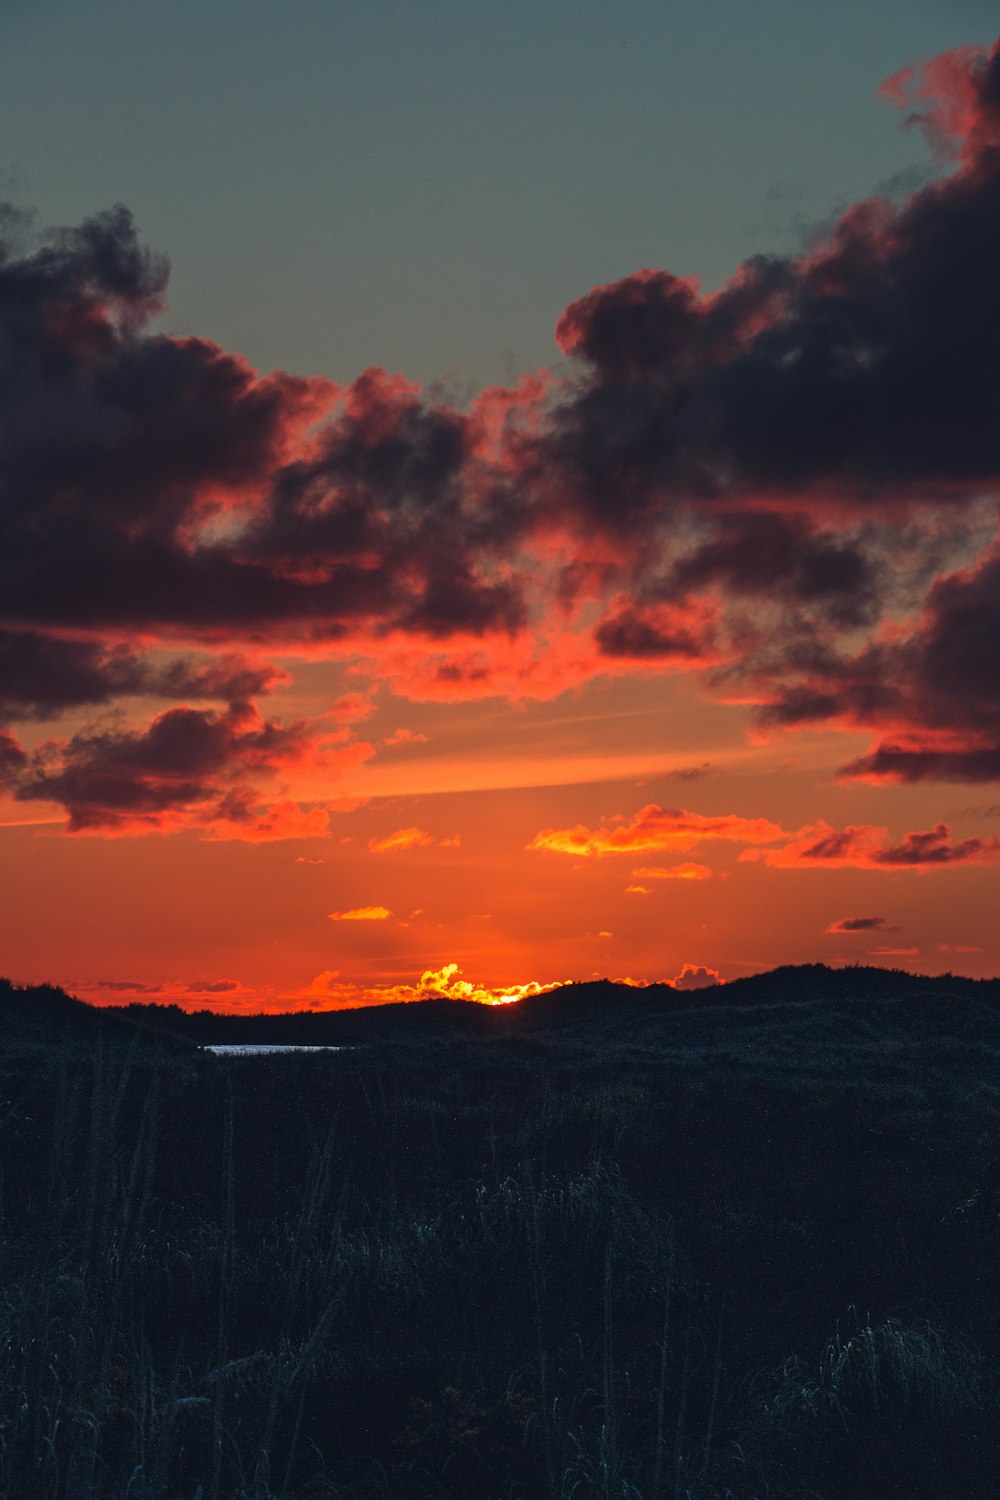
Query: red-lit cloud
(669, 830)
(362, 914)
(411, 838)
(403, 838)
(695, 977)
(404, 737)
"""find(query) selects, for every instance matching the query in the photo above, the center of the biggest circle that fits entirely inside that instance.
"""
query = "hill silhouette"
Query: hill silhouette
(47, 1014)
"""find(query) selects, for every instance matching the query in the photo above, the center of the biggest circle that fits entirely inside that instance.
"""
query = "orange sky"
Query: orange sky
(677, 663)
(448, 848)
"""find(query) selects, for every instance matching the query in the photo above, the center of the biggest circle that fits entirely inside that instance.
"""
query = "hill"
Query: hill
(44, 1014)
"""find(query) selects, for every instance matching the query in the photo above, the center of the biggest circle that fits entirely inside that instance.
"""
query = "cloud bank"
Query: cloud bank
(785, 486)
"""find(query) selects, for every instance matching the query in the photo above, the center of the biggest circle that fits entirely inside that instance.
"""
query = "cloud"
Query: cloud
(773, 485)
(326, 991)
(864, 847)
(934, 848)
(686, 871)
(692, 773)
(671, 830)
(448, 982)
(405, 737)
(352, 707)
(862, 366)
(894, 952)
(895, 762)
(931, 690)
(773, 555)
(658, 632)
(695, 977)
(282, 820)
(196, 768)
(40, 675)
(859, 924)
(12, 760)
(411, 838)
(362, 914)
(403, 838)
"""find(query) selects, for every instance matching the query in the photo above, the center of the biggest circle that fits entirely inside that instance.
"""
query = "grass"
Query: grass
(715, 1261)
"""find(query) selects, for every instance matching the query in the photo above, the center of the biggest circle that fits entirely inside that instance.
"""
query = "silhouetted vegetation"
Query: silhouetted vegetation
(607, 1243)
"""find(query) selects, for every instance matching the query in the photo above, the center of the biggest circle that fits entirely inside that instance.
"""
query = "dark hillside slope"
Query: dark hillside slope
(792, 999)
(44, 1016)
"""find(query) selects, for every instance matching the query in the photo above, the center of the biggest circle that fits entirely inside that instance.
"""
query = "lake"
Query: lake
(253, 1049)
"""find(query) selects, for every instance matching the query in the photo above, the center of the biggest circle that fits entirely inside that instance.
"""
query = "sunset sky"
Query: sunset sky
(496, 495)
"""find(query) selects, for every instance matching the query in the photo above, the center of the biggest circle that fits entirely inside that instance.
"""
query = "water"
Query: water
(254, 1049)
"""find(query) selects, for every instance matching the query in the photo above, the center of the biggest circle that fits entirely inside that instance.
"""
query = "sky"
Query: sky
(492, 496)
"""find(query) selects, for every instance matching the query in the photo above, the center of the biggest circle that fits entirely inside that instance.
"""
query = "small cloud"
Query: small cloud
(894, 952)
(695, 977)
(686, 871)
(351, 708)
(860, 924)
(122, 985)
(362, 914)
(958, 948)
(405, 737)
(285, 820)
(455, 842)
(403, 838)
(636, 890)
(300, 859)
(691, 773)
(605, 934)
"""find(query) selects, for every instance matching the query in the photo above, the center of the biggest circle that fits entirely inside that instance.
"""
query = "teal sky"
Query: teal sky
(425, 186)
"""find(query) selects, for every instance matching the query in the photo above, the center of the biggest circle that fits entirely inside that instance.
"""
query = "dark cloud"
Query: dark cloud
(861, 370)
(778, 556)
(40, 675)
(889, 762)
(188, 766)
(12, 759)
(865, 847)
(159, 481)
(934, 848)
(860, 924)
(640, 635)
(725, 480)
(933, 694)
(120, 985)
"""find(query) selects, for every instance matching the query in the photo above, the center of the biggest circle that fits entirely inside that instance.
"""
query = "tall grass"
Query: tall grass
(496, 1272)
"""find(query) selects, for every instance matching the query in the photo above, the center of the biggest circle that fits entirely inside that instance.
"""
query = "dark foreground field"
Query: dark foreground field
(607, 1244)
